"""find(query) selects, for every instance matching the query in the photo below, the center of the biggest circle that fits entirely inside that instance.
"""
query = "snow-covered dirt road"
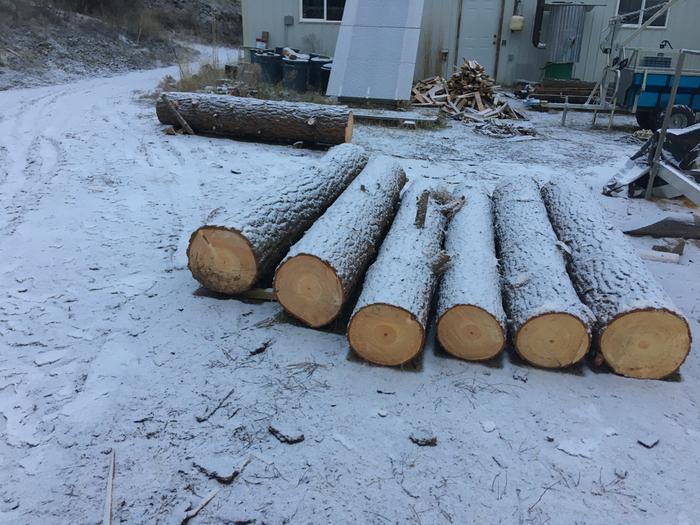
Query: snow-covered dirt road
(107, 343)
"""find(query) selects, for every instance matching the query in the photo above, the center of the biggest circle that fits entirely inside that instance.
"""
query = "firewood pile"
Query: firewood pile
(469, 94)
(344, 235)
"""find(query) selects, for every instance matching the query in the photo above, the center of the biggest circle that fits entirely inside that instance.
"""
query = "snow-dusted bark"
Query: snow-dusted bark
(388, 324)
(471, 286)
(550, 325)
(255, 119)
(321, 271)
(640, 331)
(240, 245)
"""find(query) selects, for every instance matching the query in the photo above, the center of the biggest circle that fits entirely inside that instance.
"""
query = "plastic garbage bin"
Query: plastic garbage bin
(271, 66)
(295, 74)
(325, 76)
(315, 70)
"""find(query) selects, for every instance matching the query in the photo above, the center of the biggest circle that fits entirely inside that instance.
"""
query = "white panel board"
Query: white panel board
(376, 51)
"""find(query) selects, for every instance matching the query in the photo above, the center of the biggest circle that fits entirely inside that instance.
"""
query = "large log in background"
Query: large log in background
(640, 333)
(550, 325)
(321, 271)
(471, 321)
(388, 325)
(262, 120)
(242, 244)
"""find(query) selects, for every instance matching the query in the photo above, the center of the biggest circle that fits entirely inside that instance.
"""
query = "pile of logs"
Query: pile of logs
(469, 94)
(540, 264)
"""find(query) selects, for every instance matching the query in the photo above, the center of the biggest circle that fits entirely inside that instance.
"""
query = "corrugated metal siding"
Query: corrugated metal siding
(566, 34)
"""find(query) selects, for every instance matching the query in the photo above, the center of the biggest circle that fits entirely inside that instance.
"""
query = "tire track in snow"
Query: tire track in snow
(45, 157)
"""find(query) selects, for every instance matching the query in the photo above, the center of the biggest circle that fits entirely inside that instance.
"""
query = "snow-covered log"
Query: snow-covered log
(388, 324)
(255, 119)
(470, 313)
(640, 333)
(549, 324)
(240, 245)
(324, 267)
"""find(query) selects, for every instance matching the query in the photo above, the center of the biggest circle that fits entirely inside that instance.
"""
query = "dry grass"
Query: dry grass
(246, 82)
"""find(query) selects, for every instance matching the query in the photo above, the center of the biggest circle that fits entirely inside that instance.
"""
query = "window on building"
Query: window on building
(637, 12)
(322, 10)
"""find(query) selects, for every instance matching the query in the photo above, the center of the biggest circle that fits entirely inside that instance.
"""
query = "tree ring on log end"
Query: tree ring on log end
(554, 340)
(470, 333)
(309, 289)
(385, 334)
(349, 126)
(222, 260)
(646, 344)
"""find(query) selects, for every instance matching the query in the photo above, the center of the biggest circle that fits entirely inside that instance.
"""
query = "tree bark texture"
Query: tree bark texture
(260, 120)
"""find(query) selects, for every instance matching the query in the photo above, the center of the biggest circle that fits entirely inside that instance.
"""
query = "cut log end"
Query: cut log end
(385, 334)
(470, 333)
(646, 344)
(349, 127)
(309, 289)
(554, 340)
(222, 260)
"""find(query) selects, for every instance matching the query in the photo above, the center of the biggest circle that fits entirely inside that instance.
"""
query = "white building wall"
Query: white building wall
(518, 57)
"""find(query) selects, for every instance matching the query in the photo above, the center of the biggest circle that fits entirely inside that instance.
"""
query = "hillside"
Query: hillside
(51, 42)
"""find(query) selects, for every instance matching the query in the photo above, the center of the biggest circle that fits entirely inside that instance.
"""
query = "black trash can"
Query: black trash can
(295, 74)
(325, 76)
(255, 51)
(315, 70)
(271, 66)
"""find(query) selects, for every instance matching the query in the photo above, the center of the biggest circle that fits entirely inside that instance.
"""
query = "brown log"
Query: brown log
(322, 270)
(550, 325)
(261, 120)
(470, 317)
(240, 245)
(388, 325)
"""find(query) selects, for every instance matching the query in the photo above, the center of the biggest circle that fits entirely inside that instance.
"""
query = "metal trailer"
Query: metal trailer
(646, 81)
(683, 182)
(639, 81)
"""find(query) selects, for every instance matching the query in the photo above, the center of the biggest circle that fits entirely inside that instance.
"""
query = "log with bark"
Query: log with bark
(240, 245)
(550, 326)
(470, 312)
(255, 119)
(388, 324)
(321, 271)
(640, 333)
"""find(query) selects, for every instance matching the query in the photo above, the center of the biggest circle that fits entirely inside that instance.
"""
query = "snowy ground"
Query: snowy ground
(107, 344)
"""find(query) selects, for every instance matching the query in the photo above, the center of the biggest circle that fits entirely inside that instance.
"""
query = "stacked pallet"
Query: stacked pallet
(469, 94)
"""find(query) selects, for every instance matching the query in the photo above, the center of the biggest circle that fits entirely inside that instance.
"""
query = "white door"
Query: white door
(478, 32)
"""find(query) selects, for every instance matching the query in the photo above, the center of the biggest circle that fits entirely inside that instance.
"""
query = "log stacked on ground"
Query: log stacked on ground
(388, 324)
(255, 119)
(321, 271)
(241, 244)
(640, 333)
(549, 324)
(470, 313)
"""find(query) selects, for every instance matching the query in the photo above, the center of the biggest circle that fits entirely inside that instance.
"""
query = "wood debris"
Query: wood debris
(286, 437)
(469, 94)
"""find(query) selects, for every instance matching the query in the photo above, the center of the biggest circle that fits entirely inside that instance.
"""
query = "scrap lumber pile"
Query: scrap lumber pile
(469, 94)
(536, 266)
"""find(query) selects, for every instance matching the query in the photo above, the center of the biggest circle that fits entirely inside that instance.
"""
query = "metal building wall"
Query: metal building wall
(268, 15)
(518, 58)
